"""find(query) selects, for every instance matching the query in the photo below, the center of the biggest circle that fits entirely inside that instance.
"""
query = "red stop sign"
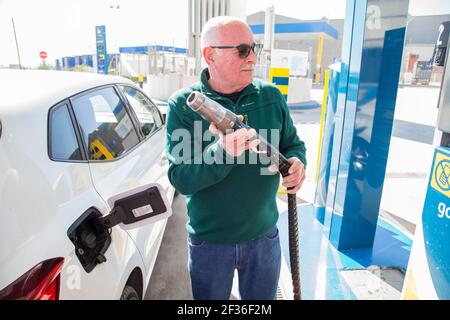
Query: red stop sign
(43, 54)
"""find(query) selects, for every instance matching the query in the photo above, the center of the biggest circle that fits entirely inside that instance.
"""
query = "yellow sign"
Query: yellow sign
(319, 59)
(99, 151)
(322, 119)
(279, 72)
(280, 77)
(440, 179)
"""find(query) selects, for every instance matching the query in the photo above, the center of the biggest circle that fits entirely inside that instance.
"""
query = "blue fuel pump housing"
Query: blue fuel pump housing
(428, 274)
(436, 222)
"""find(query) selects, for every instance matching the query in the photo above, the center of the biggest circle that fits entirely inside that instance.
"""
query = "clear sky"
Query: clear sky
(65, 28)
(335, 9)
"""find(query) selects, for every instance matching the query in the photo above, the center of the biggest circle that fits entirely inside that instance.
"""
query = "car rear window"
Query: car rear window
(63, 141)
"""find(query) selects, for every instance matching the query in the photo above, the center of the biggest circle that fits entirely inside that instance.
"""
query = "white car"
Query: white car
(84, 193)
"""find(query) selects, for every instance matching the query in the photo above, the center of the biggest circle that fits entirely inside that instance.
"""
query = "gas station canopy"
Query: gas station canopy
(158, 48)
(299, 30)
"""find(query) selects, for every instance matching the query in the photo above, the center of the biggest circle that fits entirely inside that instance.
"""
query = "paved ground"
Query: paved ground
(170, 278)
(375, 283)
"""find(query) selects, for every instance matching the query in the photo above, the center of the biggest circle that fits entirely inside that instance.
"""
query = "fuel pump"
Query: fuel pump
(440, 58)
(428, 274)
(226, 120)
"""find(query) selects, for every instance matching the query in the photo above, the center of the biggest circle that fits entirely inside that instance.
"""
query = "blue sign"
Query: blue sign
(146, 49)
(102, 63)
(436, 223)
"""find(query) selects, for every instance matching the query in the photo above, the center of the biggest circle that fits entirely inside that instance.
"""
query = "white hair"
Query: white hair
(209, 31)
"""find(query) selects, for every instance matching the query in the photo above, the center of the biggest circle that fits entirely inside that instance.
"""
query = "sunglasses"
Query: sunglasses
(243, 49)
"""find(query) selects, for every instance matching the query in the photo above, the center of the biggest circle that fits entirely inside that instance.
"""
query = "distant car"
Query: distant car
(84, 193)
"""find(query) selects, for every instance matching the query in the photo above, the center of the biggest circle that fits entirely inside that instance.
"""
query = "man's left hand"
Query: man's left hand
(296, 176)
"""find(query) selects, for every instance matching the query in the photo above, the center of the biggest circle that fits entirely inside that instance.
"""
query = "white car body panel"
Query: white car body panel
(110, 179)
(41, 198)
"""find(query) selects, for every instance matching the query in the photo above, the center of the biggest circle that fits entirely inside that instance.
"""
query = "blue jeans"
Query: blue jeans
(212, 265)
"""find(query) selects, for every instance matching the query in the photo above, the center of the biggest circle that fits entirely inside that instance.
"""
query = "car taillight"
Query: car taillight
(41, 282)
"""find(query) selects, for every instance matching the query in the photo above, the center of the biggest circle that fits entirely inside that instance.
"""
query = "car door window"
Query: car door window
(63, 141)
(146, 112)
(106, 126)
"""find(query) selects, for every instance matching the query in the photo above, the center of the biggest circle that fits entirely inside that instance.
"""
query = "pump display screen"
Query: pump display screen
(440, 48)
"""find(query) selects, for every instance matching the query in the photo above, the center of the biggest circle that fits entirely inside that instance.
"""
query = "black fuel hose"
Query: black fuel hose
(226, 120)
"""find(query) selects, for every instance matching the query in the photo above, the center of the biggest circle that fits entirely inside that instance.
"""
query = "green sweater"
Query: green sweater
(228, 202)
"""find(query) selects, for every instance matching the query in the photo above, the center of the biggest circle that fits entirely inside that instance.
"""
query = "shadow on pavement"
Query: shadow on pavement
(170, 277)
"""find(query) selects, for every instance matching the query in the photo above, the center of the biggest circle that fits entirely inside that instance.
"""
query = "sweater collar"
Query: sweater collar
(207, 90)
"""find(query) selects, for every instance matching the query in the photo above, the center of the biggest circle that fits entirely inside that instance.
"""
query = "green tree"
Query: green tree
(44, 66)
(81, 68)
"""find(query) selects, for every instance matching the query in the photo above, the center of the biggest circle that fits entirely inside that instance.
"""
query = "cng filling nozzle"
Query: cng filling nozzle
(226, 120)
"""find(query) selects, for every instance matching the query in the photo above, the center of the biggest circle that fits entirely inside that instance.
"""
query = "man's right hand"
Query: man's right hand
(236, 142)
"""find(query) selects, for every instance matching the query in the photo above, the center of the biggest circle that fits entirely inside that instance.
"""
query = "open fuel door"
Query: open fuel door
(91, 232)
(138, 207)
